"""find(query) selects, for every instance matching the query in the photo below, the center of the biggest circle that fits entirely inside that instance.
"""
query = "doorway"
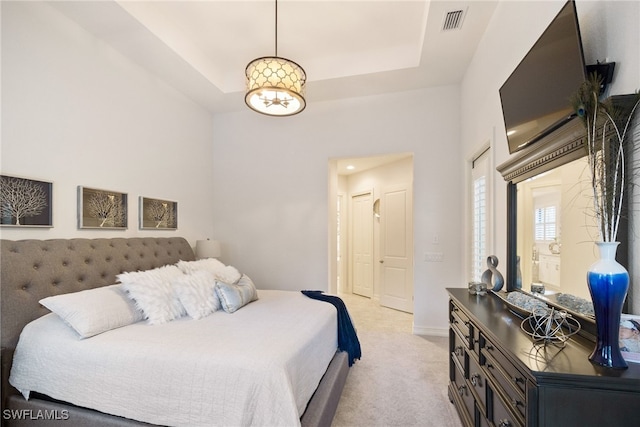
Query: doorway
(371, 228)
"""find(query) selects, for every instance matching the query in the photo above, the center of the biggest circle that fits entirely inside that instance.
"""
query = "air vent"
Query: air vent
(453, 20)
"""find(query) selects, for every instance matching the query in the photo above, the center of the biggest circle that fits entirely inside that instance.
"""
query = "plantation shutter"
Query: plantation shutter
(479, 214)
(545, 223)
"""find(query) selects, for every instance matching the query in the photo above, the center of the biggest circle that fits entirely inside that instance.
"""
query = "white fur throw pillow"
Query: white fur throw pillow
(152, 292)
(94, 311)
(226, 274)
(197, 293)
(234, 296)
(209, 264)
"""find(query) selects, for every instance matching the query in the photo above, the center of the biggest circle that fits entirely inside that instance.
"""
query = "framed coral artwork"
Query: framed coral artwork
(158, 214)
(25, 202)
(101, 209)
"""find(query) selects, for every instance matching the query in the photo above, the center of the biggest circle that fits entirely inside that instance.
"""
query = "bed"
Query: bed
(234, 373)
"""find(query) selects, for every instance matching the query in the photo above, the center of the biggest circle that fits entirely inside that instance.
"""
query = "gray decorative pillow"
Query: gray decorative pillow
(94, 311)
(237, 295)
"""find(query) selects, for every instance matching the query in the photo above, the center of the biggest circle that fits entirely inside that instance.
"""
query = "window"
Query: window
(479, 214)
(545, 223)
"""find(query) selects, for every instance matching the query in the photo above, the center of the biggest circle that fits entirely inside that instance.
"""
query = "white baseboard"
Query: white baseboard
(433, 332)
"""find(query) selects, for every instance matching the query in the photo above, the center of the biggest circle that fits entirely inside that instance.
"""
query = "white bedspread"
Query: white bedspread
(257, 366)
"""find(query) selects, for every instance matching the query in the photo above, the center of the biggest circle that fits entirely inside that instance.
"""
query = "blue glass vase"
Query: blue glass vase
(608, 284)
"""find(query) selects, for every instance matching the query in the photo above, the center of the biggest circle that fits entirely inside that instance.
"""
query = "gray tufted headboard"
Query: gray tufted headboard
(34, 269)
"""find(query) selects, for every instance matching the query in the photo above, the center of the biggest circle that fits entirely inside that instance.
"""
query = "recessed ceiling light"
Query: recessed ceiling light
(351, 167)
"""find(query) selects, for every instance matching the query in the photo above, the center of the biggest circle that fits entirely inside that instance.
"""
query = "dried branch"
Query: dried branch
(606, 154)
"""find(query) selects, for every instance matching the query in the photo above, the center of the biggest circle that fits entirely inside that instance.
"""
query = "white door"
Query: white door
(341, 242)
(362, 244)
(396, 251)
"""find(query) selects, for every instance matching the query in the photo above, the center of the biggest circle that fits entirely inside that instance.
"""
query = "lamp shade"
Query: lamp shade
(275, 86)
(207, 249)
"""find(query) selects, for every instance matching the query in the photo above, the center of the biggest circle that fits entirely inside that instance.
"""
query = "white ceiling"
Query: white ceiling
(348, 48)
(349, 166)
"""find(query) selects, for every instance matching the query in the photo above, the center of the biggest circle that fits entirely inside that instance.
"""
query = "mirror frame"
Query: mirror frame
(555, 149)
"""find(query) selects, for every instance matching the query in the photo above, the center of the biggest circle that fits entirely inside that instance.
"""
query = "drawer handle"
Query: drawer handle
(504, 423)
(459, 351)
(515, 403)
(489, 366)
(489, 347)
(467, 323)
(462, 390)
(517, 380)
(476, 380)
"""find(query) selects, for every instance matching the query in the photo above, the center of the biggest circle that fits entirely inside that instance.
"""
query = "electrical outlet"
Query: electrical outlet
(433, 256)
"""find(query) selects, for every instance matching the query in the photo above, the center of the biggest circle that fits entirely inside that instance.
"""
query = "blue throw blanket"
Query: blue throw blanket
(347, 337)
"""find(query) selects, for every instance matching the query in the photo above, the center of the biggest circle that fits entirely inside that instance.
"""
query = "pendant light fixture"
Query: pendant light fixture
(275, 85)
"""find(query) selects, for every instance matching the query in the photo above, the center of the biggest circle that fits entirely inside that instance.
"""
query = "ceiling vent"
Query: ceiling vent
(453, 20)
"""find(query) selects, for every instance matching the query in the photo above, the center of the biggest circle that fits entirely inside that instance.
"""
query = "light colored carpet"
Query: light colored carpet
(401, 379)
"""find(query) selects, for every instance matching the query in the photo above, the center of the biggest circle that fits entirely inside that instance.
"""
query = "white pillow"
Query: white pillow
(226, 274)
(209, 264)
(152, 292)
(94, 311)
(234, 296)
(197, 293)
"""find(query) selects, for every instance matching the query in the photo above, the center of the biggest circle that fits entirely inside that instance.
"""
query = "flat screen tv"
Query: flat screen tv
(536, 96)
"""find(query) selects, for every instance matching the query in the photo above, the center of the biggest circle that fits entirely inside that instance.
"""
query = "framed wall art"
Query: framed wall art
(156, 214)
(25, 202)
(630, 337)
(102, 209)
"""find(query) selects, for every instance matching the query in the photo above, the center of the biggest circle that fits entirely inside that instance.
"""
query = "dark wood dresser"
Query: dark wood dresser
(500, 377)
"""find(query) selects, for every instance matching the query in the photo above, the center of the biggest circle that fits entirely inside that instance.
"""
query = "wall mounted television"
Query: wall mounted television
(536, 96)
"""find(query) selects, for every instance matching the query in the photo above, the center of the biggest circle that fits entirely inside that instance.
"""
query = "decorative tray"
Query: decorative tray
(519, 303)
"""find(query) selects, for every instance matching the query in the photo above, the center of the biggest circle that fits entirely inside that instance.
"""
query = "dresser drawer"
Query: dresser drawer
(478, 381)
(461, 323)
(501, 416)
(500, 364)
(458, 345)
(462, 390)
(512, 394)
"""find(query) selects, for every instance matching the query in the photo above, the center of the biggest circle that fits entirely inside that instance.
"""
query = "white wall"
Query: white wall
(271, 197)
(609, 30)
(75, 112)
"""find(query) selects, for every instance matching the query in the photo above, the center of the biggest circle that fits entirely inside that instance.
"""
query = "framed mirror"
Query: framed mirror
(555, 231)
(550, 223)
